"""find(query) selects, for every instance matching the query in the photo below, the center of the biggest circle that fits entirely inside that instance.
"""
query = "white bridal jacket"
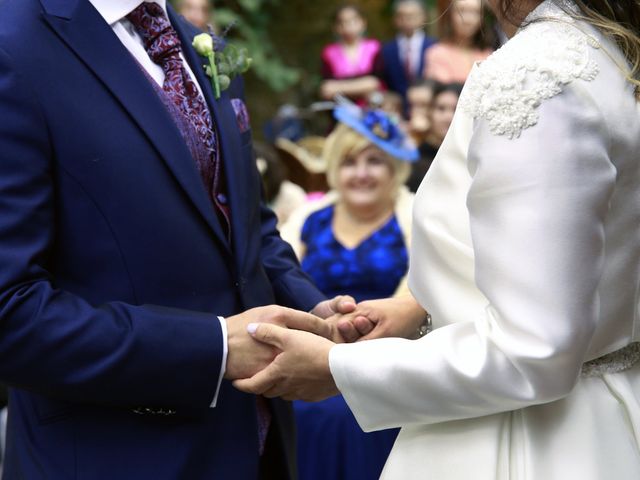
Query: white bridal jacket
(526, 251)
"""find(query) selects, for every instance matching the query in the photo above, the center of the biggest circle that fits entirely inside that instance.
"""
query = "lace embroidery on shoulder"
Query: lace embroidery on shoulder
(507, 88)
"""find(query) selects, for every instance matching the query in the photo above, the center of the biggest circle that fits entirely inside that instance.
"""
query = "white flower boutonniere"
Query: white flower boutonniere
(225, 60)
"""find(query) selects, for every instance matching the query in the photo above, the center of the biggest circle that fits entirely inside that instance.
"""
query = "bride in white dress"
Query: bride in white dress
(526, 254)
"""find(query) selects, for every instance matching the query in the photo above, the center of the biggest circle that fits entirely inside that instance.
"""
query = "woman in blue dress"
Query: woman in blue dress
(353, 241)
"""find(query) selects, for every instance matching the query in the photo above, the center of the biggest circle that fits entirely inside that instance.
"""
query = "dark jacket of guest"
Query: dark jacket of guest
(390, 69)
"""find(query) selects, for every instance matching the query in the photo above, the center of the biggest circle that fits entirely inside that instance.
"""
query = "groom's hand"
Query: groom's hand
(247, 356)
(300, 371)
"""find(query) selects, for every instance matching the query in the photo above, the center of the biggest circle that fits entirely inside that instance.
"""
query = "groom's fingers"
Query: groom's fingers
(305, 321)
(275, 391)
(268, 333)
(258, 384)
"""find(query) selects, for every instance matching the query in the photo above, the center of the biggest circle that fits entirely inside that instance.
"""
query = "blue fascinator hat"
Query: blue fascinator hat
(379, 128)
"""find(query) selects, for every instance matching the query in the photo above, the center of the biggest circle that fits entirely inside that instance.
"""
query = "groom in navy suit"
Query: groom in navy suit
(134, 251)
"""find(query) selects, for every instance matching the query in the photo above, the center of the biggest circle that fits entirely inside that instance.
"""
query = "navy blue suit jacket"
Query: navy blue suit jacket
(391, 69)
(113, 266)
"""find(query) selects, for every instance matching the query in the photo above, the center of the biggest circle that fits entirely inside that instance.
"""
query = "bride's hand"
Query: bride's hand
(300, 371)
(392, 317)
(332, 311)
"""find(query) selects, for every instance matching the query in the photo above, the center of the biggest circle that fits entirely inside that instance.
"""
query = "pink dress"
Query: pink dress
(336, 64)
(448, 63)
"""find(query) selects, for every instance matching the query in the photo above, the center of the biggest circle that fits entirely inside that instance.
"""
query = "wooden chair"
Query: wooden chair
(304, 162)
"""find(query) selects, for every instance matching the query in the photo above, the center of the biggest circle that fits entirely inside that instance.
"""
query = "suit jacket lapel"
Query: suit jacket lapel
(423, 48)
(228, 136)
(82, 28)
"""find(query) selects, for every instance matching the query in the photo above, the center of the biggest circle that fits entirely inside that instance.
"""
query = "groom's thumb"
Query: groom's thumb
(268, 333)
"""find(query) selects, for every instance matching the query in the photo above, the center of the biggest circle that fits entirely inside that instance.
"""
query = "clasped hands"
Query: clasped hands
(280, 352)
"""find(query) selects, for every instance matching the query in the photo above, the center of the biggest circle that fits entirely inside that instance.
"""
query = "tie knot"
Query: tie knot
(160, 39)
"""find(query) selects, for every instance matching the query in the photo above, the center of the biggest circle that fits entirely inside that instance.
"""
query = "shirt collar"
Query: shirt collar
(418, 35)
(115, 10)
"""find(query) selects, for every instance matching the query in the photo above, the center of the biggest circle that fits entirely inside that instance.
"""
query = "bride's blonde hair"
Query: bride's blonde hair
(617, 19)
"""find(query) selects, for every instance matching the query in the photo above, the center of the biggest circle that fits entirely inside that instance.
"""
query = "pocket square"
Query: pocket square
(242, 114)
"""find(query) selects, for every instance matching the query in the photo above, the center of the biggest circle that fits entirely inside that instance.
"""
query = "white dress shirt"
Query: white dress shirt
(114, 13)
(414, 45)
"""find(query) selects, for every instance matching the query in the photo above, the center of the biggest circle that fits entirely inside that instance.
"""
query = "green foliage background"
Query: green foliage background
(285, 38)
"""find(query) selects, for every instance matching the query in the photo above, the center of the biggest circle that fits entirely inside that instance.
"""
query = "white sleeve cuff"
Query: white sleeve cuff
(223, 364)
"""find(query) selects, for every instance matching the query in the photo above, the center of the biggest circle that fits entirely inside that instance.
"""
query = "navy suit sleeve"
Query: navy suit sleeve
(291, 285)
(56, 343)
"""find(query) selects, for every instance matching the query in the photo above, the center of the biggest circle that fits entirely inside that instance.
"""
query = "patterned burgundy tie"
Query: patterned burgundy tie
(163, 46)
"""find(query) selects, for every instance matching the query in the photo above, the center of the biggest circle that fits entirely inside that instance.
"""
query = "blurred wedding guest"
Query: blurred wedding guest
(419, 97)
(281, 195)
(287, 123)
(354, 241)
(197, 12)
(438, 117)
(348, 64)
(465, 39)
(401, 60)
(390, 102)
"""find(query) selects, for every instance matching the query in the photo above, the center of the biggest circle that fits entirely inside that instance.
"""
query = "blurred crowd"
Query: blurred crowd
(414, 77)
